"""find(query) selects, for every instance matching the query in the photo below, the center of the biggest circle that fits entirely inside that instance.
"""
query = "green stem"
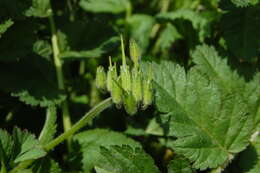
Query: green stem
(59, 74)
(81, 123)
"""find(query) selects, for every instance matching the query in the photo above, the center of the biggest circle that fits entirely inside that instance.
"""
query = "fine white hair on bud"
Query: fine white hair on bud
(134, 52)
(101, 78)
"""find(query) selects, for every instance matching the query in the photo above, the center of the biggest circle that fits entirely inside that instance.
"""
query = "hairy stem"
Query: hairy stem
(59, 74)
(81, 123)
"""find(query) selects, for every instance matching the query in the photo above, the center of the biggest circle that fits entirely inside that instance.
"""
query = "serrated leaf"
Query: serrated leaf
(42, 48)
(6, 147)
(140, 28)
(216, 69)
(252, 97)
(26, 146)
(19, 146)
(49, 128)
(168, 36)
(210, 125)
(46, 165)
(91, 140)
(104, 6)
(179, 165)
(39, 8)
(210, 64)
(4, 26)
(241, 28)
(125, 159)
(97, 52)
(199, 22)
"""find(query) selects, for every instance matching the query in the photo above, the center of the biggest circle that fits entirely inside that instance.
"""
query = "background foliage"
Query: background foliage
(205, 59)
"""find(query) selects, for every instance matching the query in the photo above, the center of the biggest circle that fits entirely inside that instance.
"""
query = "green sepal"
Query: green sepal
(101, 78)
(137, 85)
(130, 103)
(125, 76)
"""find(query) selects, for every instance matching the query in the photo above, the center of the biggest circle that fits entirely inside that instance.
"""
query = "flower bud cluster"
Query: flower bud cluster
(130, 87)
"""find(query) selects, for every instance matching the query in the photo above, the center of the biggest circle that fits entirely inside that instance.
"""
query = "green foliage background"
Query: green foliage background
(205, 59)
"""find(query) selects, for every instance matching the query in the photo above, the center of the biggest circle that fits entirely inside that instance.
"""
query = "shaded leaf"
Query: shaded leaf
(199, 22)
(46, 165)
(91, 140)
(241, 30)
(104, 6)
(210, 125)
(140, 28)
(125, 159)
(168, 36)
(105, 47)
(179, 165)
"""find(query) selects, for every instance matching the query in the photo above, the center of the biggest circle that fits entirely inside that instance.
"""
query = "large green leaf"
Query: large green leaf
(104, 6)
(216, 69)
(252, 97)
(90, 141)
(210, 64)
(179, 165)
(125, 159)
(241, 29)
(209, 124)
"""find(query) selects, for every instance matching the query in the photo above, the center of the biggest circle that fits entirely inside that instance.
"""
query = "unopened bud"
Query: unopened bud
(134, 52)
(101, 78)
(125, 76)
(111, 74)
(147, 93)
(116, 91)
(130, 104)
(137, 85)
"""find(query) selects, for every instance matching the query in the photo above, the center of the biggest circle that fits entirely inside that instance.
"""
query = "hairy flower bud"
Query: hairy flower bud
(130, 104)
(101, 78)
(147, 93)
(137, 85)
(134, 52)
(125, 76)
(148, 89)
(116, 91)
(111, 74)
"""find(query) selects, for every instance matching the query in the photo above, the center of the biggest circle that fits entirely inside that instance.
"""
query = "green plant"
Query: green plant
(181, 93)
